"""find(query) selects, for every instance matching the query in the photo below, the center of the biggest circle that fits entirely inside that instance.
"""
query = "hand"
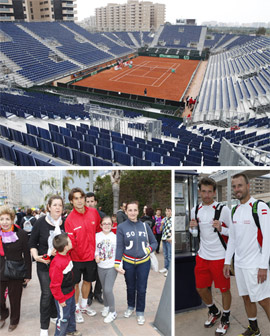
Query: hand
(226, 271)
(40, 259)
(63, 304)
(217, 225)
(25, 281)
(193, 223)
(120, 270)
(97, 259)
(262, 275)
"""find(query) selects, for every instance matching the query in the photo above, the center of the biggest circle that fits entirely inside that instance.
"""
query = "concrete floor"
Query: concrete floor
(191, 322)
(29, 323)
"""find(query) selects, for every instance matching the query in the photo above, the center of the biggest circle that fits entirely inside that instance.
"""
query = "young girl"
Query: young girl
(105, 256)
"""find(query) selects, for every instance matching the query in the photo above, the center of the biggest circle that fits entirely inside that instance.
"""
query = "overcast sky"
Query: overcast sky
(242, 11)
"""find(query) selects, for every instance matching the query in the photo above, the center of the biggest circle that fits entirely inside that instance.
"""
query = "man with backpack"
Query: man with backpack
(212, 220)
(28, 221)
(250, 243)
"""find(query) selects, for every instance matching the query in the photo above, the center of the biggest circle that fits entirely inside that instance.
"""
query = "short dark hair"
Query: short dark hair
(241, 175)
(149, 212)
(29, 212)
(132, 202)
(122, 203)
(168, 208)
(60, 241)
(208, 181)
(73, 191)
(91, 194)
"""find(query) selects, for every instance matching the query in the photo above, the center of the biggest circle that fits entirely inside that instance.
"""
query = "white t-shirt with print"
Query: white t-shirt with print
(105, 249)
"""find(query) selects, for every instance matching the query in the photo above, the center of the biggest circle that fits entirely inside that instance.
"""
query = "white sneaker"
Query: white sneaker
(110, 317)
(140, 320)
(87, 310)
(128, 312)
(105, 311)
(44, 332)
(53, 320)
(78, 316)
(165, 274)
(163, 270)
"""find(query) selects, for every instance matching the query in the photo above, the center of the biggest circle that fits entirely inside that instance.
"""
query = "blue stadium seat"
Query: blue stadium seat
(122, 158)
(81, 159)
(133, 151)
(140, 162)
(171, 161)
(104, 152)
(87, 147)
(46, 146)
(63, 153)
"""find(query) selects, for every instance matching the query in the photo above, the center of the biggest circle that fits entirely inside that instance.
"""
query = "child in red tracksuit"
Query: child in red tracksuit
(62, 286)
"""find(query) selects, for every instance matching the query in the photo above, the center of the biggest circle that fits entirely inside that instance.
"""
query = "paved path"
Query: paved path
(94, 326)
(195, 86)
(191, 323)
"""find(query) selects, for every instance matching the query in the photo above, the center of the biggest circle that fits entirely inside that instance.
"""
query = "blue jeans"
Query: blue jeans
(136, 277)
(66, 317)
(167, 252)
(47, 304)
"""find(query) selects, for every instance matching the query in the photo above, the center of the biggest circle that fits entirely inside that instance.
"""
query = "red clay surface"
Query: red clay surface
(152, 73)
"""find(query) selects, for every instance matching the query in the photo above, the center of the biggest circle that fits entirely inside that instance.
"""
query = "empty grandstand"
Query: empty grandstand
(47, 118)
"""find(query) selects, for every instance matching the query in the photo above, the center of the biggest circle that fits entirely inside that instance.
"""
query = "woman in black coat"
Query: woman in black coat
(13, 246)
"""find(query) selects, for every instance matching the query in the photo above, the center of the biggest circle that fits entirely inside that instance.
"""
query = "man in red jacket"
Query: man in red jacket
(83, 223)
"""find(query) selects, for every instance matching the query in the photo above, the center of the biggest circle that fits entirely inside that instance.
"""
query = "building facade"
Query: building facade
(36, 10)
(132, 16)
(10, 190)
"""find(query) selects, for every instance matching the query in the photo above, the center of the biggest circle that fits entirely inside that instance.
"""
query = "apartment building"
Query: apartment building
(133, 16)
(36, 10)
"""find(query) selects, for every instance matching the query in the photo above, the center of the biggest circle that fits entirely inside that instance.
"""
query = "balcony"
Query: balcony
(6, 10)
(6, 2)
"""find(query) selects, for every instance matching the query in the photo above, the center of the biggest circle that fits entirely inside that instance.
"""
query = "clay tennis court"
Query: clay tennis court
(155, 74)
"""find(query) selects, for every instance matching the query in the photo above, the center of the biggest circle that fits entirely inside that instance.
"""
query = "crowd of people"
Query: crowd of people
(243, 233)
(72, 251)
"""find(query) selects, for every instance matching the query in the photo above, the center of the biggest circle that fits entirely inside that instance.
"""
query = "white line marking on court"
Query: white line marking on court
(128, 72)
(141, 65)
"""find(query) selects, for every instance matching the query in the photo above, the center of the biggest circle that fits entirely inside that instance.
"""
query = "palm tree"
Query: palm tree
(54, 185)
(84, 174)
(66, 180)
(115, 180)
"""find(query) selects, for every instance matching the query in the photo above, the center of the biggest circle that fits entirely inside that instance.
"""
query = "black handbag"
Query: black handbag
(15, 269)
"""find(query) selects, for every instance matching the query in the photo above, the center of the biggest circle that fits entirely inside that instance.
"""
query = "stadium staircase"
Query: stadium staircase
(157, 35)
(202, 39)
(134, 40)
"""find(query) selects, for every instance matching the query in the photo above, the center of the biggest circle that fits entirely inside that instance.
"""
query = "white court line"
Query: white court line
(167, 77)
(125, 73)
(173, 66)
(169, 69)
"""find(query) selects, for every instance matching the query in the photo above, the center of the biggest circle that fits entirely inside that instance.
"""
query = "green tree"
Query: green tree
(53, 184)
(104, 193)
(260, 31)
(83, 174)
(150, 187)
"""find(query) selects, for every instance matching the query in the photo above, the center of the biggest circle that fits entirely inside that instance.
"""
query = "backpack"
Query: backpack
(27, 225)
(256, 219)
(223, 239)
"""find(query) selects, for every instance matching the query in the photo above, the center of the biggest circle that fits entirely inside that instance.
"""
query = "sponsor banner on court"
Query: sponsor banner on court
(168, 56)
